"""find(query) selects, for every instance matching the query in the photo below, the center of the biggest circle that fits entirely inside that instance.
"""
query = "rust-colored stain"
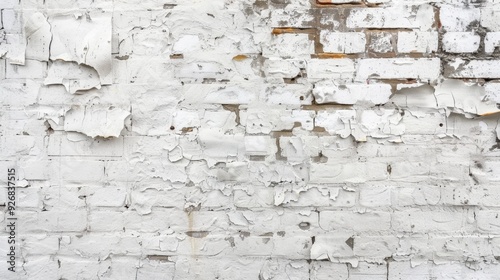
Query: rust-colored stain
(331, 55)
(352, 4)
(489, 114)
(277, 31)
(240, 57)
(285, 30)
(193, 241)
(176, 56)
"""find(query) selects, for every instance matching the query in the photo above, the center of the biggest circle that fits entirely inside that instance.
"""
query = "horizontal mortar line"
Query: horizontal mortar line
(323, 3)
(383, 29)
(326, 55)
(285, 30)
(365, 55)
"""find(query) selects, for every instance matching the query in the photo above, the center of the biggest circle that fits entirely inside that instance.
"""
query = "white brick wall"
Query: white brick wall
(257, 139)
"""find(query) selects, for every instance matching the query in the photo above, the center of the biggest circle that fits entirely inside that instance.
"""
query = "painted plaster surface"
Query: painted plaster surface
(251, 139)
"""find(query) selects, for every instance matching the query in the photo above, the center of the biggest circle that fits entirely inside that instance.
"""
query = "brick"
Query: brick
(106, 220)
(200, 220)
(462, 196)
(451, 22)
(36, 170)
(40, 244)
(491, 196)
(472, 69)
(288, 222)
(461, 42)
(314, 197)
(357, 222)
(288, 94)
(82, 171)
(75, 266)
(143, 199)
(404, 270)
(28, 197)
(259, 197)
(154, 269)
(381, 42)
(488, 221)
(13, 146)
(283, 68)
(425, 69)
(328, 247)
(186, 43)
(141, 70)
(428, 123)
(329, 270)
(122, 268)
(289, 46)
(293, 149)
(375, 196)
(11, 19)
(17, 94)
(298, 18)
(376, 248)
(33, 69)
(9, 4)
(373, 270)
(108, 197)
(186, 268)
(296, 247)
(424, 195)
(258, 120)
(103, 245)
(351, 93)
(345, 123)
(417, 42)
(489, 18)
(491, 42)
(343, 42)
(462, 248)
(414, 17)
(53, 221)
(356, 172)
(41, 267)
(220, 94)
(202, 70)
(458, 271)
(76, 145)
(421, 221)
(333, 69)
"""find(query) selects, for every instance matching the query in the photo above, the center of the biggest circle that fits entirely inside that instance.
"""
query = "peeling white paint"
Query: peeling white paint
(95, 121)
(252, 139)
(85, 39)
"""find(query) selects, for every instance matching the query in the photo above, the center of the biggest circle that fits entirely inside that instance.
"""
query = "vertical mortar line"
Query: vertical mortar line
(318, 47)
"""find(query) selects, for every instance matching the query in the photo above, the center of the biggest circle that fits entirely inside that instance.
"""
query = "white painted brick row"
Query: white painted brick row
(418, 17)
(426, 69)
(461, 42)
(417, 42)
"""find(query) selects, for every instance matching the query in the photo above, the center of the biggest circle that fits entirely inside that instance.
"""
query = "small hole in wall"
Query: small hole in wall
(302, 98)
(441, 125)
(172, 127)
(304, 225)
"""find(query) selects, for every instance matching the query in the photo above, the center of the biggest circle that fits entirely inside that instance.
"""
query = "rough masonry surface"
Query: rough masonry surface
(251, 139)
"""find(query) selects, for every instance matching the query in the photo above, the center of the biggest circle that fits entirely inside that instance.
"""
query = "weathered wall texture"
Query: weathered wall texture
(252, 139)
